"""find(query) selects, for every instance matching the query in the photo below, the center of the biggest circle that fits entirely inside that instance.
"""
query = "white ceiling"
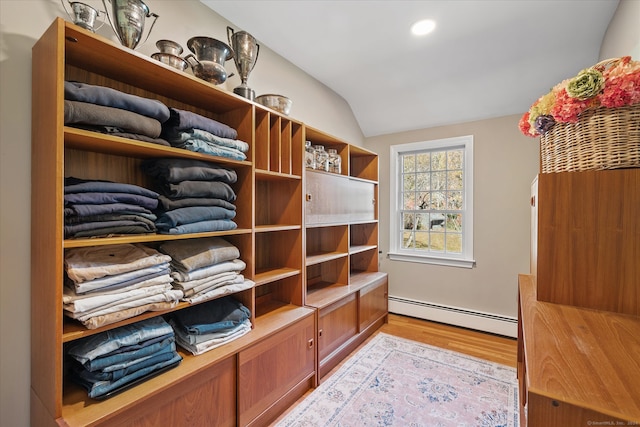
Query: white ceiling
(486, 58)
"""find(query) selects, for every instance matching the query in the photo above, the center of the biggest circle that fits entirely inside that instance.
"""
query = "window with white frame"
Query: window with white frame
(432, 202)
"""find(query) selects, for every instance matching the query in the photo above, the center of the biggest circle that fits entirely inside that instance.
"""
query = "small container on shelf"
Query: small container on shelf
(322, 158)
(334, 162)
(309, 156)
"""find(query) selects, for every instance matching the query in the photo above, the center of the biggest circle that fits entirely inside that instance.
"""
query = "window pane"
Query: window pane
(454, 180)
(436, 221)
(454, 159)
(438, 180)
(439, 160)
(422, 240)
(437, 242)
(423, 200)
(408, 221)
(454, 243)
(423, 161)
(408, 163)
(454, 222)
(407, 240)
(409, 202)
(409, 182)
(423, 181)
(454, 200)
(438, 200)
(422, 221)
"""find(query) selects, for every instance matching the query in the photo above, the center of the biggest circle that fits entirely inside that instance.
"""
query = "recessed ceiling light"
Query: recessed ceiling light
(423, 27)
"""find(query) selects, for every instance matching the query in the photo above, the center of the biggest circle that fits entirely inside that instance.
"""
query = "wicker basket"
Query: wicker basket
(603, 138)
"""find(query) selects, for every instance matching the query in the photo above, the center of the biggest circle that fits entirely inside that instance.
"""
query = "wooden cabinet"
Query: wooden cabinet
(297, 270)
(341, 238)
(579, 309)
(576, 366)
(274, 372)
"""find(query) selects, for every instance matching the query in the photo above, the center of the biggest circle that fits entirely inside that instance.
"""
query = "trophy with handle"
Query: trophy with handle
(246, 51)
(128, 20)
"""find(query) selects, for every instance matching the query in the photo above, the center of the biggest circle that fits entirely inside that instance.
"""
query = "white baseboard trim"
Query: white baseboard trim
(486, 322)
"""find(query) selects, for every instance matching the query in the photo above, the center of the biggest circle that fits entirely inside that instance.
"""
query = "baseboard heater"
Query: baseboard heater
(485, 322)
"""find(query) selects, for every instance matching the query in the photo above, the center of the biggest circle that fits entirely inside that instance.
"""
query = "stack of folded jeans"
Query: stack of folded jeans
(112, 361)
(106, 284)
(103, 208)
(196, 196)
(203, 327)
(205, 269)
(194, 132)
(106, 110)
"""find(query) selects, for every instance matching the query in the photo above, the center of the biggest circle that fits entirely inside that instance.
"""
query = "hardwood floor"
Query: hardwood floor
(491, 347)
(486, 346)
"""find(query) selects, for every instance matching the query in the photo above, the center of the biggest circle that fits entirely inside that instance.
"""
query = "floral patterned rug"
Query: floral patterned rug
(393, 381)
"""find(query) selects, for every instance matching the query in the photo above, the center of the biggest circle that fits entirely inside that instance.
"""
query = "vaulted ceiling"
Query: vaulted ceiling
(486, 58)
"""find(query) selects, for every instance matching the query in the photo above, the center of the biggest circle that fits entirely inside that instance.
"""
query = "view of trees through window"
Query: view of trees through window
(432, 197)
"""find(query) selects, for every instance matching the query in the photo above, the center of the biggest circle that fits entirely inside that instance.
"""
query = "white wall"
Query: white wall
(22, 22)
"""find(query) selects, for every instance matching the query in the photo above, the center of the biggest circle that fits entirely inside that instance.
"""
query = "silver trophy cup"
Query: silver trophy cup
(246, 54)
(83, 15)
(128, 20)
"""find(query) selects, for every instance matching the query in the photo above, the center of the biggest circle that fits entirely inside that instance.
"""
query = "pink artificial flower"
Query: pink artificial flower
(621, 90)
(525, 126)
(567, 109)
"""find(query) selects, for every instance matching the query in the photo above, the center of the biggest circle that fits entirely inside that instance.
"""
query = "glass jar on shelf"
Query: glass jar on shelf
(334, 161)
(322, 158)
(309, 155)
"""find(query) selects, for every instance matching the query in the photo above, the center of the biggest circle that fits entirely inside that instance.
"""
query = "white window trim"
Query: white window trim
(396, 253)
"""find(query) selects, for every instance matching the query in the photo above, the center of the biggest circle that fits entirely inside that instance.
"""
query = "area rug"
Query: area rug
(393, 381)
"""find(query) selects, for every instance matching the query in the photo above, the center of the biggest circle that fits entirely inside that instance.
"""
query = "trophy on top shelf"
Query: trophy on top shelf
(83, 15)
(128, 20)
(246, 51)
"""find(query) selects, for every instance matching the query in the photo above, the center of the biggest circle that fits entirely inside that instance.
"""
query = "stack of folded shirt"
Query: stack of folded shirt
(111, 361)
(107, 110)
(106, 284)
(196, 196)
(206, 326)
(194, 132)
(205, 269)
(103, 208)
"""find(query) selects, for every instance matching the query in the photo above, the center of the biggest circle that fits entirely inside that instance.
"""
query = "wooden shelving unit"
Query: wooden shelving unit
(341, 231)
(230, 379)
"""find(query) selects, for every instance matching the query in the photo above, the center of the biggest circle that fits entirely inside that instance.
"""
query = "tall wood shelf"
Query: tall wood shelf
(240, 382)
(579, 308)
(341, 231)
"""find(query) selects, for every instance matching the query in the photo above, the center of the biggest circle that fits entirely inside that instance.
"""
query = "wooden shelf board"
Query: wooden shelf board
(313, 259)
(271, 275)
(324, 293)
(85, 140)
(78, 409)
(361, 248)
(266, 175)
(584, 357)
(276, 227)
(141, 238)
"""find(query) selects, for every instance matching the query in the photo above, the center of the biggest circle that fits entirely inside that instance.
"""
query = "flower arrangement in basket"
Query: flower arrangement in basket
(591, 121)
